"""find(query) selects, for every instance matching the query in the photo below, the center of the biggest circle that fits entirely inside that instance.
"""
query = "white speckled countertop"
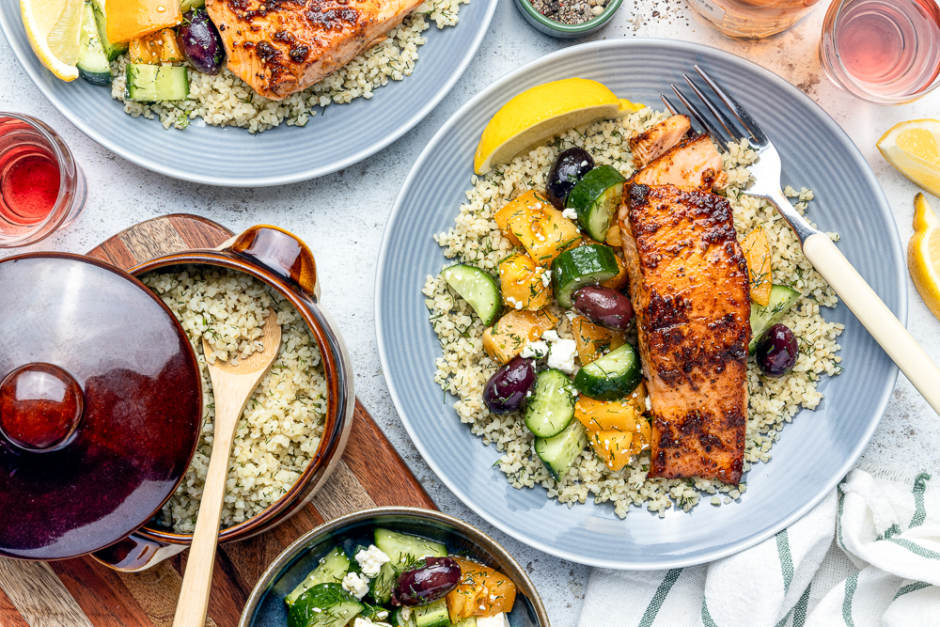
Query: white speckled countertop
(342, 220)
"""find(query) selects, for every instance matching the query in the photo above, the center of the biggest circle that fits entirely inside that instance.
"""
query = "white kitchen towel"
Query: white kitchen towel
(867, 556)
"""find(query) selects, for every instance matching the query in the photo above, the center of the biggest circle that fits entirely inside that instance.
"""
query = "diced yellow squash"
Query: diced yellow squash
(613, 236)
(538, 226)
(481, 591)
(592, 339)
(506, 339)
(612, 447)
(638, 397)
(641, 437)
(130, 19)
(607, 415)
(756, 249)
(520, 281)
(619, 280)
(156, 48)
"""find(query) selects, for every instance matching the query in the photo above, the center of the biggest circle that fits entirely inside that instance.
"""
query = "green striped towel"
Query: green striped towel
(867, 556)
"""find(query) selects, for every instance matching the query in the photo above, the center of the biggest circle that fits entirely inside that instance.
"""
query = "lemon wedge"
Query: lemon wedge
(923, 254)
(914, 149)
(54, 30)
(542, 112)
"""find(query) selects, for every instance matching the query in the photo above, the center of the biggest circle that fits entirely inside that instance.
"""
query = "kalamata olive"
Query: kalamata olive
(604, 306)
(570, 166)
(200, 42)
(508, 389)
(430, 581)
(776, 353)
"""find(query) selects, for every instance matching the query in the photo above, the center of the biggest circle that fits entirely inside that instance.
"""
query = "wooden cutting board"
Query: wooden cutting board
(81, 592)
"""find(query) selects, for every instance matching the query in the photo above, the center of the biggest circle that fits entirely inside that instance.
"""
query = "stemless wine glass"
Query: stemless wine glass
(884, 51)
(42, 189)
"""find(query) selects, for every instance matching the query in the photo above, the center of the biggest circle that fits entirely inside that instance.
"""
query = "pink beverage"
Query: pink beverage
(885, 51)
(752, 19)
(41, 187)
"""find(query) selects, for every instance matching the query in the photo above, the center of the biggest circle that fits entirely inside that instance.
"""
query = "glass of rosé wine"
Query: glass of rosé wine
(883, 51)
(42, 189)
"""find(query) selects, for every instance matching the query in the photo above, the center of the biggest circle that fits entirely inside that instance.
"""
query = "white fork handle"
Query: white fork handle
(875, 316)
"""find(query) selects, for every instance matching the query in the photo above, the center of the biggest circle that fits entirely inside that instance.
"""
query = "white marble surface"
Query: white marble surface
(342, 217)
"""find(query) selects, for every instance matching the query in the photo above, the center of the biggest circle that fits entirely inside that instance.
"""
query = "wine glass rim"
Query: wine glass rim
(847, 76)
(63, 160)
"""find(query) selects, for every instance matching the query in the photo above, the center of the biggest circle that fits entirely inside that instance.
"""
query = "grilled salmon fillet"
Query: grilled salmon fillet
(694, 163)
(689, 287)
(284, 46)
(654, 141)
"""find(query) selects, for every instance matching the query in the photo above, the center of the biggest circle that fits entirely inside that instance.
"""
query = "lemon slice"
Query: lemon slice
(923, 254)
(541, 112)
(914, 149)
(54, 30)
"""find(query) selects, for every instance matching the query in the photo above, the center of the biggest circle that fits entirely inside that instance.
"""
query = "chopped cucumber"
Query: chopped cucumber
(324, 605)
(152, 83)
(92, 64)
(552, 406)
(762, 318)
(612, 377)
(112, 51)
(478, 288)
(375, 613)
(432, 615)
(188, 5)
(397, 618)
(402, 548)
(560, 451)
(333, 567)
(584, 265)
(380, 588)
(596, 198)
(470, 621)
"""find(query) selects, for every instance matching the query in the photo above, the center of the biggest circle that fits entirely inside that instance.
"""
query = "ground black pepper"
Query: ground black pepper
(570, 11)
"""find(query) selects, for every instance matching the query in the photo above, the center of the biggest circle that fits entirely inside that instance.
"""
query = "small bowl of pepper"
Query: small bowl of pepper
(568, 19)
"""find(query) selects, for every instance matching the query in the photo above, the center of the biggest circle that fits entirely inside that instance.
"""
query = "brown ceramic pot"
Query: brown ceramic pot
(283, 262)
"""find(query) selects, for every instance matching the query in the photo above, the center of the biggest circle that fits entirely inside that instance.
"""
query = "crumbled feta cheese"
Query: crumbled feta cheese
(499, 620)
(536, 350)
(518, 305)
(546, 278)
(362, 621)
(570, 213)
(561, 355)
(371, 560)
(356, 584)
(649, 405)
(405, 612)
(550, 336)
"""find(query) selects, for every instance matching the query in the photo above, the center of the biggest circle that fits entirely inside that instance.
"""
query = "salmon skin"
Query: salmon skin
(689, 287)
(280, 47)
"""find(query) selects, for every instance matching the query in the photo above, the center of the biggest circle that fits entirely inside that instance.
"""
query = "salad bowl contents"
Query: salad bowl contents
(397, 567)
(252, 65)
(626, 324)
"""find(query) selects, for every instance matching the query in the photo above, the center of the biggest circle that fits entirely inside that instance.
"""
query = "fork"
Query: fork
(860, 298)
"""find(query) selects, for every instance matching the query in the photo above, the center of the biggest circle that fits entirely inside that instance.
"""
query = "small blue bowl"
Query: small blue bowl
(566, 31)
(265, 607)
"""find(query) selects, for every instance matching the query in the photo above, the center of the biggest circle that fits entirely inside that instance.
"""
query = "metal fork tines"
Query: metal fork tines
(766, 171)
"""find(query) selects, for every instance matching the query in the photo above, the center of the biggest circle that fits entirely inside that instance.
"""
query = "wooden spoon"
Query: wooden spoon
(232, 386)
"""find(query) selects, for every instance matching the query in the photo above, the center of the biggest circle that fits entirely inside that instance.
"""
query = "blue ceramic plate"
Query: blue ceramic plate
(342, 136)
(814, 452)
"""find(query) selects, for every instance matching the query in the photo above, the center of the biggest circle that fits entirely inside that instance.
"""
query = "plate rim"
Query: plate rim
(35, 75)
(713, 554)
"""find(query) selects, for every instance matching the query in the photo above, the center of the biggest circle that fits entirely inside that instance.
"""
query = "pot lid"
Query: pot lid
(100, 405)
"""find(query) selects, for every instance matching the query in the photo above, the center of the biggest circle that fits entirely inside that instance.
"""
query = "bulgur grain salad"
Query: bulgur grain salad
(470, 357)
(280, 429)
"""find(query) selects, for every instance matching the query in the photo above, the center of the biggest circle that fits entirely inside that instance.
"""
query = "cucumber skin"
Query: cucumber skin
(566, 269)
(112, 51)
(554, 465)
(535, 406)
(608, 385)
(488, 317)
(93, 65)
(782, 299)
(585, 195)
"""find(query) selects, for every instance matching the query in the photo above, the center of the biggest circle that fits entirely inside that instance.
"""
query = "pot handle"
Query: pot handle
(280, 252)
(136, 553)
